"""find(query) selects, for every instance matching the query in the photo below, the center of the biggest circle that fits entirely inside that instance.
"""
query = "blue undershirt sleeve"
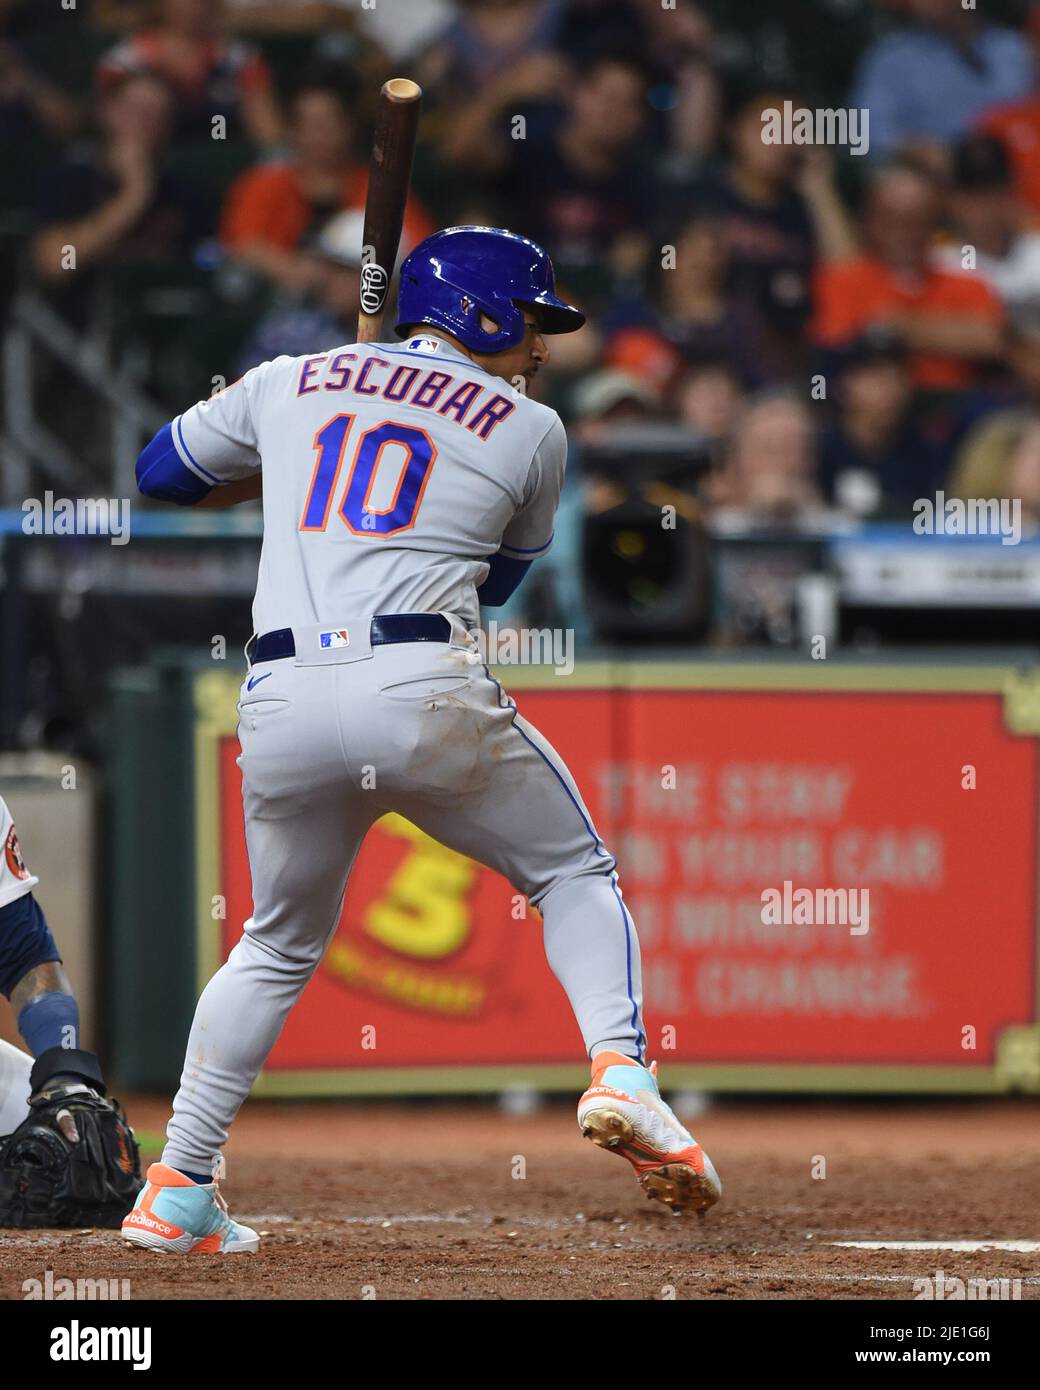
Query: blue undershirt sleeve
(162, 474)
(503, 579)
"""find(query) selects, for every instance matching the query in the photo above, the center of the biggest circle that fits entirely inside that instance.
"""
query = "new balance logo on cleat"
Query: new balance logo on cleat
(194, 1220)
(149, 1223)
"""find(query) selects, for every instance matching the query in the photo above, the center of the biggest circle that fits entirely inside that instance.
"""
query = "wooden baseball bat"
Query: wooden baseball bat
(390, 172)
(393, 148)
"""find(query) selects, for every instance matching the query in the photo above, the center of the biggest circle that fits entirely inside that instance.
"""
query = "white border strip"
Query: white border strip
(1018, 1247)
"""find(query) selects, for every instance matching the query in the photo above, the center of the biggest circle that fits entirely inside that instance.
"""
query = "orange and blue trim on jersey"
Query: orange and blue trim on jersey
(427, 394)
(345, 372)
(361, 386)
(310, 366)
(326, 475)
(390, 393)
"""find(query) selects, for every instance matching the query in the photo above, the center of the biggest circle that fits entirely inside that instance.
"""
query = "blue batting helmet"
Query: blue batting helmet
(452, 277)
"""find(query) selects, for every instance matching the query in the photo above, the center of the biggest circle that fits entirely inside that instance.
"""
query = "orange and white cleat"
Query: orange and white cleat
(623, 1111)
(182, 1217)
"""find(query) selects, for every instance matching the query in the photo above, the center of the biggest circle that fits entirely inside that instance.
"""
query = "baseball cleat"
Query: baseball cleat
(623, 1111)
(174, 1214)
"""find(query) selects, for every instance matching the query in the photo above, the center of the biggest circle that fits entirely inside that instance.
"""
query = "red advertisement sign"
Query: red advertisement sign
(922, 806)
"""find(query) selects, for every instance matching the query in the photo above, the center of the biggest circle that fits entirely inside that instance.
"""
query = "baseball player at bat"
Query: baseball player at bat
(404, 484)
(68, 1158)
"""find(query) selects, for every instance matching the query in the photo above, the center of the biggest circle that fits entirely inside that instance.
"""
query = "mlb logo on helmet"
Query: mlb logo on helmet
(338, 637)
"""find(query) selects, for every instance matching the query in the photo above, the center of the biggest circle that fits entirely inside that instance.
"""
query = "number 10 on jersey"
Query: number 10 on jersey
(330, 444)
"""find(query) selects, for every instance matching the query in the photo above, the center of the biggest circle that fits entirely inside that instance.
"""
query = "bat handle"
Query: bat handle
(370, 328)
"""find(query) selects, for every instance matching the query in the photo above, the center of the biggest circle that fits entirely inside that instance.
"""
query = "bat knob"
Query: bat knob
(401, 89)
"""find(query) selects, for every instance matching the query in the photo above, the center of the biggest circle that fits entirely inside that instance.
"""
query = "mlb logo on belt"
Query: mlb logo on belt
(338, 637)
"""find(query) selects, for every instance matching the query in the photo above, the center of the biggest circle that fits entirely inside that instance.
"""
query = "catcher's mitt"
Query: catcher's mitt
(73, 1161)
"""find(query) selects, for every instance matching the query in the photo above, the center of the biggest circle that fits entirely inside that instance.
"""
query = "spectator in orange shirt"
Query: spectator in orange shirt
(272, 209)
(949, 323)
(210, 74)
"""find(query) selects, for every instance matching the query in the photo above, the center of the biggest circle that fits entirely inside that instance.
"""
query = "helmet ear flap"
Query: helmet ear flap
(480, 315)
(485, 321)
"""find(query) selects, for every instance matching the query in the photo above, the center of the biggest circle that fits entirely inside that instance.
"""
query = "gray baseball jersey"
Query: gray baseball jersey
(391, 473)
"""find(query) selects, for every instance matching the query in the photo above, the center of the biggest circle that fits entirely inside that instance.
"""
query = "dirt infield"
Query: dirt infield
(397, 1202)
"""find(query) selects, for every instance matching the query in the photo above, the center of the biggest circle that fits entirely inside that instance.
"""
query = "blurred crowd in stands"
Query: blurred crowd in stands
(840, 332)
